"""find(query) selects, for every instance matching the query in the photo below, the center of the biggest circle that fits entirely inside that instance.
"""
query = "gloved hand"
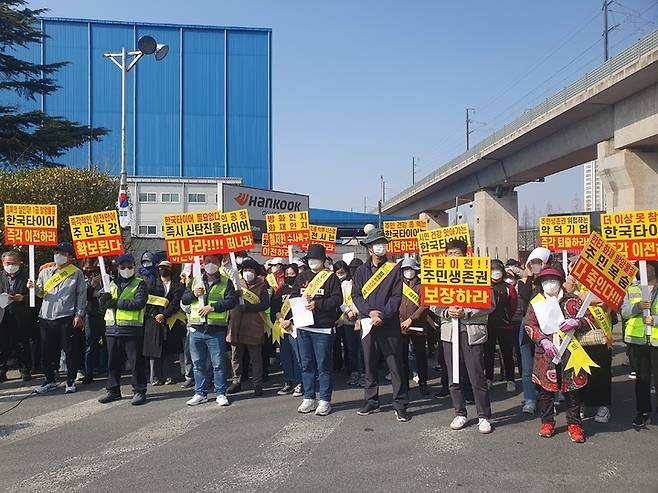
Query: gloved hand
(570, 324)
(548, 348)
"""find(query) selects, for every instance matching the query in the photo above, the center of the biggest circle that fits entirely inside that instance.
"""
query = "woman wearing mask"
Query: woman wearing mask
(499, 326)
(552, 378)
(347, 323)
(292, 370)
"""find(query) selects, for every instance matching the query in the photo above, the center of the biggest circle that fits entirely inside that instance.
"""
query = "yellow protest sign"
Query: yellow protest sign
(559, 233)
(268, 251)
(455, 281)
(96, 235)
(579, 359)
(634, 234)
(192, 234)
(237, 232)
(31, 224)
(434, 241)
(288, 228)
(403, 235)
(323, 235)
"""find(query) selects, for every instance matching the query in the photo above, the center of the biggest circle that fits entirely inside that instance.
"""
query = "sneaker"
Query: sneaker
(80, 377)
(368, 408)
(234, 388)
(528, 407)
(169, 381)
(424, 389)
(70, 388)
(299, 390)
(402, 415)
(138, 399)
(458, 423)
(354, 379)
(444, 392)
(603, 415)
(416, 378)
(109, 397)
(285, 390)
(632, 375)
(222, 400)
(470, 400)
(188, 383)
(307, 406)
(547, 430)
(583, 412)
(484, 426)
(641, 420)
(46, 387)
(511, 386)
(489, 384)
(388, 377)
(576, 433)
(324, 408)
(157, 382)
(197, 399)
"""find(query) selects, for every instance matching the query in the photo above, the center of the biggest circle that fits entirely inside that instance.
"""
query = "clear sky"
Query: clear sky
(361, 86)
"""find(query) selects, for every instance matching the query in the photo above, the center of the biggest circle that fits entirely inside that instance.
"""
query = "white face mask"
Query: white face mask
(409, 274)
(551, 287)
(249, 275)
(147, 264)
(509, 281)
(211, 268)
(341, 276)
(379, 249)
(315, 264)
(11, 269)
(496, 275)
(60, 259)
(535, 268)
(126, 273)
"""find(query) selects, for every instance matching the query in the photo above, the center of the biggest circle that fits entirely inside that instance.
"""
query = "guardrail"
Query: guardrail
(630, 54)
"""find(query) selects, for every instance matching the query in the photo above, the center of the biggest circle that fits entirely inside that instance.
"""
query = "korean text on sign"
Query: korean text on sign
(604, 271)
(323, 235)
(403, 235)
(288, 228)
(96, 235)
(564, 232)
(634, 234)
(236, 230)
(434, 241)
(192, 234)
(267, 251)
(30, 224)
(456, 281)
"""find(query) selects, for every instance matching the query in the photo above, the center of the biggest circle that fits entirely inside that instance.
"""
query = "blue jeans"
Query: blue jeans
(202, 345)
(316, 356)
(292, 369)
(527, 363)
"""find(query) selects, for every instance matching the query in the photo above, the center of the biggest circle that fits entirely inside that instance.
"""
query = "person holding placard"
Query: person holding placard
(349, 323)
(94, 323)
(641, 335)
(542, 324)
(321, 291)
(290, 362)
(16, 322)
(63, 290)
(377, 293)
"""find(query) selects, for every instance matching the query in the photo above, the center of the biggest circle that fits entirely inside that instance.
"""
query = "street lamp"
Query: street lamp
(146, 46)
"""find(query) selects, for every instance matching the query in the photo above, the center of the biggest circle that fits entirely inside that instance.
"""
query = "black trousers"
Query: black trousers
(545, 400)
(14, 338)
(505, 339)
(644, 360)
(418, 342)
(598, 391)
(120, 349)
(385, 342)
(58, 335)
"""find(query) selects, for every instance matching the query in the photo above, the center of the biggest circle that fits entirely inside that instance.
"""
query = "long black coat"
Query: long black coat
(20, 310)
(159, 339)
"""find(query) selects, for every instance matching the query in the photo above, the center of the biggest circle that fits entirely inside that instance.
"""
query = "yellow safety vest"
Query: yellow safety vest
(121, 317)
(634, 328)
(215, 294)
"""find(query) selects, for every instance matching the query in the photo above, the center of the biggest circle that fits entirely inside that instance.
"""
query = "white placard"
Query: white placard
(549, 315)
(366, 327)
(302, 316)
(348, 257)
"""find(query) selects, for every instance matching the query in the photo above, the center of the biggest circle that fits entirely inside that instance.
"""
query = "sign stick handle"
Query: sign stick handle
(236, 276)
(290, 254)
(196, 274)
(644, 286)
(104, 277)
(565, 262)
(32, 268)
(454, 337)
(567, 339)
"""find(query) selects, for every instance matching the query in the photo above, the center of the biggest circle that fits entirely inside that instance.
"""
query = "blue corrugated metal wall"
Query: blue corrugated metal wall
(186, 115)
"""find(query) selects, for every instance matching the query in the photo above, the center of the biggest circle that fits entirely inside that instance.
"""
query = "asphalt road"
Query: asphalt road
(63, 442)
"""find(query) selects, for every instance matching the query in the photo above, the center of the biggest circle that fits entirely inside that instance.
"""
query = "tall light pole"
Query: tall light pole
(146, 46)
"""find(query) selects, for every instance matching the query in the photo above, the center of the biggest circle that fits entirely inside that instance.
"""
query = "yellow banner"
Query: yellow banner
(59, 277)
(602, 322)
(456, 281)
(30, 224)
(157, 301)
(376, 279)
(564, 232)
(316, 284)
(410, 294)
(434, 241)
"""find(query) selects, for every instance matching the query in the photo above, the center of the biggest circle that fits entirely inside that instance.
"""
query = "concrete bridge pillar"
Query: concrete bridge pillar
(435, 219)
(496, 224)
(629, 177)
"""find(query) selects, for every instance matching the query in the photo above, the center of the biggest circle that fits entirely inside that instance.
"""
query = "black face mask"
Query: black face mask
(165, 273)
(88, 273)
(290, 280)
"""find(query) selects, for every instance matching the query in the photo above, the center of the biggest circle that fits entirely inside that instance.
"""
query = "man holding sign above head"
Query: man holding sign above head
(61, 319)
(377, 294)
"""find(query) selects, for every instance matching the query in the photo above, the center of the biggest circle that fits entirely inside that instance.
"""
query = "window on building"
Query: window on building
(196, 198)
(148, 230)
(170, 198)
(147, 197)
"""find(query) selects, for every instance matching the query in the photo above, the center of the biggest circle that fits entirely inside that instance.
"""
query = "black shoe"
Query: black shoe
(138, 399)
(26, 376)
(469, 400)
(3, 376)
(157, 382)
(258, 391)
(444, 392)
(234, 388)
(188, 383)
(286, 389)
(109, 397)
(169, 381)
(641, 420)
(368, 408)
(424, 389)
(87, 380)
(402, 415)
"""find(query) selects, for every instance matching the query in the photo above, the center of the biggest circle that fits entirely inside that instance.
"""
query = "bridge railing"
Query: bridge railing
(614, 64)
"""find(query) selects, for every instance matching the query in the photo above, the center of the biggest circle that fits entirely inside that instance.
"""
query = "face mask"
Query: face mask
(11, 269)
(341, 277)
(126, 273)
(211, 269)
(379, 249)
(60, 259)
(315, 264)
(409, 274)
(165, 273)
(551, 287)
(147, 264)
(509, 281)
(249, 276)
(290, 280)
(238, 260)
(535, 268)
(497, 275)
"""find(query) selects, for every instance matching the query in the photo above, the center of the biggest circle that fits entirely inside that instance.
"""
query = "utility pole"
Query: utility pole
(382, 199)
(606, 4)
(468, 127)
(413, 170)
(365, 204)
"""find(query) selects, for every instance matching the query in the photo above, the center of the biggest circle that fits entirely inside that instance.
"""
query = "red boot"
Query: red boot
(576, 433)
(547, 430)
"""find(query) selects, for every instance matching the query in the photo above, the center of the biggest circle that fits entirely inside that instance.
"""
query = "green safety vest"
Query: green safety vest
(634, 329)
(215, 294)
(125, 318)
